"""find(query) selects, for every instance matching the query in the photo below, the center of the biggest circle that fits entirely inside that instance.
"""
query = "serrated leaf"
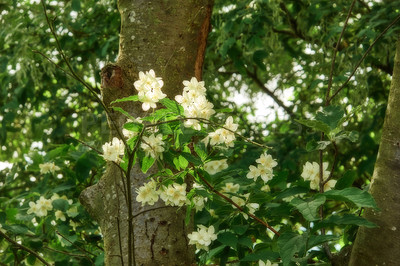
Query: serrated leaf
(122, 111)
(289, 244)
(316, 125)
(60, 204)
(347, 219)
(228, 239)
(172, 106)
(354, 195)
(147, 162)
(133, 98)
(330, 115)
(320, 239)
(346, 180)
(308, 209)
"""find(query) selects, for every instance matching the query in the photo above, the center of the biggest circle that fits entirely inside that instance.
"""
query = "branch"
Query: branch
(293, 22)
(363, 57)
(335, 49)
(237, 206)
(14, 243)
(261, 85)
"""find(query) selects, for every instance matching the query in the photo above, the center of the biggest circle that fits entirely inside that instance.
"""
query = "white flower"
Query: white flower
(174, 194)
(311, 173)
(214, 167)
(149, 89)
(73, 224)
(195, 103)
(203, 237)
(230, 188)
(268, 263)
(60, 215)
(41, 207)
(147, 193)
(73, 211)
(264, 168)
(265, 188)
(112, 150)
(199, 202)
(152, 145)
(224, 135)
(48, 167)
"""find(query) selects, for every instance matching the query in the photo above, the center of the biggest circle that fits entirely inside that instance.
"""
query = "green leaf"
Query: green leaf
(133, 98)
(172, 106)
(201, 150)
(330, 115)
(346, 180)
(346, 219)
(147, 162)
(11, 214)
(191, 158)
(258, 58)
(60, 204)
(261, 254)
(240, 229)
(76, 5)
(99, 260)
(308, 209)
(17, 229)
(316, 125)
(122, 111)
(246, 241)
(165, 129)
(354, 195)
(183, 163)
(134, 127)
(215, 251)
(320, 239)
(289, 244)
(62, 187)
(228, 239)
(350, 135)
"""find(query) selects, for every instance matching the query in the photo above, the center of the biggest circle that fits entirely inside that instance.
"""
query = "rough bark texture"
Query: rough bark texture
(169, 37)
(381, 246)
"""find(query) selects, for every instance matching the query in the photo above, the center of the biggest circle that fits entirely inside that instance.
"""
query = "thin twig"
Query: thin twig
(335, 49)
(237, 206)
(363, 57)
(78, 247)
(77, 77)
(14, 243)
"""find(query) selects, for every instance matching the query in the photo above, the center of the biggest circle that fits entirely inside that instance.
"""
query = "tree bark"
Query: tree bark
(381, 246)
(169, 37)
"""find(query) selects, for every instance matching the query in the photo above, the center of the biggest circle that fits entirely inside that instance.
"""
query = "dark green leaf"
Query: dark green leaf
(147, 162)
(354, 195)
(76, 5)
(18, 229)
(133, 98)
(172, 106)
(330, 116)
(316, 240)
(228, 239)
(308, 209)
(261, 254)
(346, 180)
(347, 219)
(289, 244)
(60, 204)
(316, 125)
(191, 158)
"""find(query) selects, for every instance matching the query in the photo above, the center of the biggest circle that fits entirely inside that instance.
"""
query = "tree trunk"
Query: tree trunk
(381, 246)
(169, 37)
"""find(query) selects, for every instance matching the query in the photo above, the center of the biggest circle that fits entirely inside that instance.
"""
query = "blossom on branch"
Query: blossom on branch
(224, 135)
(195, 103)
(149, 89)
(311, 173)
(203, 237)
(152, 145)
(112, 150)
(174, 194)
(147, 194)
(214, 167)
(264, 168)
(48, 168)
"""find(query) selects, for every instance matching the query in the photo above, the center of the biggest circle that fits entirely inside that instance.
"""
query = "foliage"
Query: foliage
(253, 45)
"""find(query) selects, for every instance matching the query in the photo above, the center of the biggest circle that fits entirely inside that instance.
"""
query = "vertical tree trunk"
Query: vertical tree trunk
(169, 37)
(381, 246)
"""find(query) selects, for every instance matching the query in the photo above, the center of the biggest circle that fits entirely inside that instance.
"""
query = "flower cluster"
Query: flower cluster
(149, 89)
(147, 194)
(174, 194)
(203, 237)
(311, 173)
(264, 168)
(230, 188)
(214, 167)
(48, 167)
(152, 145)
(199, 202)
(252, 207)
(112, 150)
(41, 207)
(195, 103)
(223, 135)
